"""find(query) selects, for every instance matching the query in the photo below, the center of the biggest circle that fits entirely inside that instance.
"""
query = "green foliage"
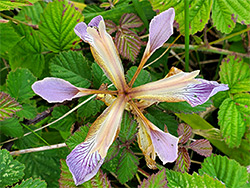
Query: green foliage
(178, 179)
(90, 108)
(226, 170)
(28, 112)
(98, 76)
(7, 5)
(37, 183)
(157, 180)
(8, 106)
(78, 137)
(71, 66)
(11, 170)
(57, 25)
(143, 78)
(11, 127)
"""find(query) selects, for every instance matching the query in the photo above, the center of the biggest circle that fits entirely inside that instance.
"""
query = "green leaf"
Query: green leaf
(100, 180)
(226, 170)
(8, 106)
(8, 5)
(184, 107)
(183, 160)
(19, 84)
(180, 180)
(236, 74)
(28, 112)
(10, 37)
(32, 183)
(43, 165)
(199, 12)
(225, 13)
(98, 76)
(11, 127)
(91, 108)
(128, 128)
(78, 137)
(27, 53)
(231, 123)
(71, 66)
(66, 123)
(242, 102)
(57, 25)
(11, 170)
(157, 180)
(143, 78)
(127, 166)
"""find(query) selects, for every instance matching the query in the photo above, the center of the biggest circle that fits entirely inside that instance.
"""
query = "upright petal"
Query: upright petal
(179, 87)
(58, 90)
(85, 160)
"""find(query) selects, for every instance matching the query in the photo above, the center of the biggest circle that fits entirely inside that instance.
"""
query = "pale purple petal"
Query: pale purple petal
(56, 90)
(165, 145)
(82, 164)
(160, 29)
(95, 21)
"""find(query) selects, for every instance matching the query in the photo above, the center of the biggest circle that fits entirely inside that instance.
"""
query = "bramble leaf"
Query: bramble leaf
(226, 170)
(11, 170)
(57, 25)
(143, 78)
(11, 127)
(28, 112)
(157, 180)
(8, 106)
(130, 21)
(183, 160)
(110, 26)
(185, 131)
(71, 66)
(8, 5)
(98, 76)
(78, 137)
(202, 146)
(32, 183)
(242, 101)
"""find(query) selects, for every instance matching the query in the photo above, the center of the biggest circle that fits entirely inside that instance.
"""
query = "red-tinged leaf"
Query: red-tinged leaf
(110, 26)
(130, 21)
(183, 161)
(202, 146)
(128, 44)
(8, 106)
(185, 131)
(157, 180)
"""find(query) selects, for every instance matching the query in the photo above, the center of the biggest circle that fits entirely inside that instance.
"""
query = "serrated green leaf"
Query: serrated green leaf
(98, 76)
(8, 106)
(226, 170)
(57, 25)
(100, 180)
(91, 108)
(143, 78)
(28, 112)
(183, 160)
(236, 74)
(11, 127)
(128, 128)
(31, 14)
(36, 183)
(225, 14)
(78, 137)
(9, 5)
(19, 84)
(180, 180)
(10, 38)
(231, 123)
(128, 44)
(199, 12)
(127, 166)
(219, 97)
(11, 170)
(66, 123)
(27, 53)
(71, 66)
(184, 107)
(243, 105)
(42, 165)
(157, 180)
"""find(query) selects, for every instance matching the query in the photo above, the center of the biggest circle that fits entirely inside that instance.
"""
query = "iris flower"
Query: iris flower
(86, 158)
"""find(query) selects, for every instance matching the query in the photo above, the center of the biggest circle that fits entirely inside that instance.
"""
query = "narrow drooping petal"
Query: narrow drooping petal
(58, 90)
(179, 87)
(85, 160)
(103, 50)
(160, 29)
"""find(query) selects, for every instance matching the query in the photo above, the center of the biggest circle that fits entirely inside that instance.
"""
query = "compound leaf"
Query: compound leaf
(183, 160)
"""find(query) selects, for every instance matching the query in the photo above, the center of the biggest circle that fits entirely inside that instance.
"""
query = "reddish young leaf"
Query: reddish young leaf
(128, 44)
(130, 21)
(157, 180)
(110, 26)
(202, 146)
(183, 161)
(185, 131)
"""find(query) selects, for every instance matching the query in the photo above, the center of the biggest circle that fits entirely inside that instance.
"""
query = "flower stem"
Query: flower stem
(186, 4)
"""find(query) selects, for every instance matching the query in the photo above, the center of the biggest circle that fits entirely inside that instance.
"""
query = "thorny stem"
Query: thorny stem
(143, 172)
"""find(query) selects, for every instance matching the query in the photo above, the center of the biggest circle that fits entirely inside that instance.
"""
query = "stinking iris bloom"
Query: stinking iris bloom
(86, 158)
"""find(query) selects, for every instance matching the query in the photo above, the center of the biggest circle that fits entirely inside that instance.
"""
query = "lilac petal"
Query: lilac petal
(160, 29)
(56, 90)
(165, 144)
(82, 164)
(95, 21)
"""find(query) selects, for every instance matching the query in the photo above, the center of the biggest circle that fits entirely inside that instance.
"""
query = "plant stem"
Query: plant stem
(43, 148)
(143, 172)
(186, 4)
